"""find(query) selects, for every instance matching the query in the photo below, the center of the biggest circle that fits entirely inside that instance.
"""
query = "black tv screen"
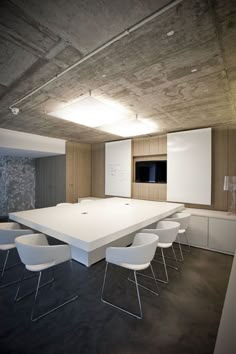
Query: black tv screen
(151, 171)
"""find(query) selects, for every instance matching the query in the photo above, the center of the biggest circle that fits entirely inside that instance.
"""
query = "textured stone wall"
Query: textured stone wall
(17, 184)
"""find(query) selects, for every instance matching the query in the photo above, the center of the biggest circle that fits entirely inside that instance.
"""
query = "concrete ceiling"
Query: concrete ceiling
(147, 72)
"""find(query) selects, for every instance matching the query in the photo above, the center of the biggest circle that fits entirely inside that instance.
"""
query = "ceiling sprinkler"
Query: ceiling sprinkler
(14, 110)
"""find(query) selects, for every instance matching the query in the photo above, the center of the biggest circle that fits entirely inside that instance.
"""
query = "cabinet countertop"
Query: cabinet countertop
(211, 213)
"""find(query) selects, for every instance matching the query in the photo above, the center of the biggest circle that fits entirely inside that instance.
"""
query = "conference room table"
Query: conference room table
(90, 227)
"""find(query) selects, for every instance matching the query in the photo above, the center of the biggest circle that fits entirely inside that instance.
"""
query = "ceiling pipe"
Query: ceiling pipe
(99, 49)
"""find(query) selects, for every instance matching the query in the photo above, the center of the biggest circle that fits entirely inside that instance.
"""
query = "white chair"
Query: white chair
(183, 219)
(137, 257)
(8, 232)
(84, 201)
(37, 255)
(167, 232)
(63, 204)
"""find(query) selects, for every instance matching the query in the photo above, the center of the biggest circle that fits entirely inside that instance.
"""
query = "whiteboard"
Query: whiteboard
(189, 166)
(118, 168)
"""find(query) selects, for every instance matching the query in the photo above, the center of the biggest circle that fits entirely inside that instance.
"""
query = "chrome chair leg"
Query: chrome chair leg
(31, 292)
(181, 259)
(140, 315)
(165, 268)
(35, 296)
(4, 268)
(187, 241)
(144, 287)
(175, 257)
(10, 266)
(32, 316)
(139, 301)
(104, 281)
(165, 281)
(153, 274)
(18, 289)
(5, 263)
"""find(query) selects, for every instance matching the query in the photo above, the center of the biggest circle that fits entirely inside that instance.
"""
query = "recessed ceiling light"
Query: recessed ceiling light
(170, 33)
(90, 112)
(193, 70)
(130, 127)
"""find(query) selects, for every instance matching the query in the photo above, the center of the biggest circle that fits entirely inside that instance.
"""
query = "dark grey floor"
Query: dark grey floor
(183, 319)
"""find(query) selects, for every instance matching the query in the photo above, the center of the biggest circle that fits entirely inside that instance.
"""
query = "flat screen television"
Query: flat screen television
(151, 171)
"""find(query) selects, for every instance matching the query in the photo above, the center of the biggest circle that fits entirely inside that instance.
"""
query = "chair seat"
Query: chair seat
(40, 267)
(164, 245)
(7, 246)
(133, 266)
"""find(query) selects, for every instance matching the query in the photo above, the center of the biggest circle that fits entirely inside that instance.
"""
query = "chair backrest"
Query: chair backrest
(182, 218)
(166, 230)
(8, 236)
(9, 225)
(63, 204)
(28, 247)
(34, 249)
(141, 251)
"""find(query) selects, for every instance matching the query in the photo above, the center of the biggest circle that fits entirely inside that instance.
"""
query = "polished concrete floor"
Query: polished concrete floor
(183, 319)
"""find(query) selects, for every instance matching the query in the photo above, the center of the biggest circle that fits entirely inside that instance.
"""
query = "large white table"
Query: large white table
(89, 228)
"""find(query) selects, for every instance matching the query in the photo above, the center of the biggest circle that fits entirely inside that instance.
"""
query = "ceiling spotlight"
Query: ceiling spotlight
(194, 70)
(169, 34)
(14, 110)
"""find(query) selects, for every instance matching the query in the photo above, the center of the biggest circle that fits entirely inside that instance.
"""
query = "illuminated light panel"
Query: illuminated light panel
(90, 112)
(130, 127)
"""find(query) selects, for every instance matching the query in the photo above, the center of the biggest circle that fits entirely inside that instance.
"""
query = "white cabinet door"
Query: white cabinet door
(197, 231)
(222, 235)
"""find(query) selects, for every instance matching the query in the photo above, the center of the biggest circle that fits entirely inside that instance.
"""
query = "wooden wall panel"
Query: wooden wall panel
(162, 147)
(84, 164)
(155, 145)
(98, 170)
(149, 191)
(78, 171)
(219, 168)
(223, 163)
(147, 149)
(232, 151)
(69, 171)
(141, 147)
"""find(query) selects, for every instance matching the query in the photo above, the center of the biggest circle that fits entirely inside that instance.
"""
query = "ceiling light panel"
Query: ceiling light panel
(90, 112)
(130, 127)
